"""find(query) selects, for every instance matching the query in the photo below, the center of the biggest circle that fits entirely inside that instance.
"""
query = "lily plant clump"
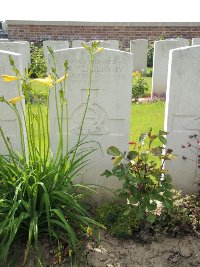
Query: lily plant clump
(37, 195)
(146, 184)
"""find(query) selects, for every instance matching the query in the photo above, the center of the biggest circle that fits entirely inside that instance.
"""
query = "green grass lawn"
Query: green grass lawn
(144, 116)
(40, 89)
(34, 110)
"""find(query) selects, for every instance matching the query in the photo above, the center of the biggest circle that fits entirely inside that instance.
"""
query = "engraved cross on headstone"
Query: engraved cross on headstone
(95, 118)
(97, 121)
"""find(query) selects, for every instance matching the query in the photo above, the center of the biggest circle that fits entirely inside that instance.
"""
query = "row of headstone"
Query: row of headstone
(107, 121)
(58, 45)
(112, 44)
(138, 48)
(160, 62)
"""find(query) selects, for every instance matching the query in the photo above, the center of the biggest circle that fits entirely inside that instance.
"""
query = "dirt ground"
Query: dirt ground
(111, 252)
(162, 252)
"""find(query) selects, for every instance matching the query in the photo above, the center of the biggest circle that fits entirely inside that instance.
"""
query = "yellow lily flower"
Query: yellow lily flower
(70, 252)
(62, 78)
(47, 81)
(137, 74)
(89, 231)
(99, 49)
(9, 78)
(15, 99)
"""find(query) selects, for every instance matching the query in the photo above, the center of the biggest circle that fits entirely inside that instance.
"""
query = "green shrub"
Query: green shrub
(139, 86)
(113, 217)
(38, 66)
(150, 55)
(145, 182)
(184, 217)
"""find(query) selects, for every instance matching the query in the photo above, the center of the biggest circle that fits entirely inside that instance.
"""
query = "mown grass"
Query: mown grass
(40, 89)
(34, 109)
(144, 116)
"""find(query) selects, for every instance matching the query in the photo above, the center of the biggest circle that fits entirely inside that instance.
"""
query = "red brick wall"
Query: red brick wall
(124, 32)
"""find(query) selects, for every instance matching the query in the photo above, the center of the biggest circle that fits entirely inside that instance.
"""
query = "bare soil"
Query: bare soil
(161, 251)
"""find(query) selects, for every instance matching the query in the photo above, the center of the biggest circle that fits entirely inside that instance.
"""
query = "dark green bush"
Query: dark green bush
(150, 55)
(139, 86)
(113, 216)
(145, 182)
(183, 217)
(38, 65)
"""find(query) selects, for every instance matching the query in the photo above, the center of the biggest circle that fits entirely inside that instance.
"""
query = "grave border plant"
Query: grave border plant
(38, 67)
(146, 183)
(38, 197)
(139, 86)
(165, 210)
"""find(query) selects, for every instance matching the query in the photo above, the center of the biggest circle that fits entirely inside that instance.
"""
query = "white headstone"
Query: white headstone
(183, 40)
(20, 48)
(55, 45)
(77, 43)
(196, 41)
(8, 119)
(107, 44)
(160, 63)
(4, 40)
(182, 114)
(108, 117)
(114, 43)
(139, 49)
(27, 49)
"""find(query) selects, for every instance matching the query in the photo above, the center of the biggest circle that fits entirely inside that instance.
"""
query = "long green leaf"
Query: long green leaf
(67, 227)
(14, 226)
